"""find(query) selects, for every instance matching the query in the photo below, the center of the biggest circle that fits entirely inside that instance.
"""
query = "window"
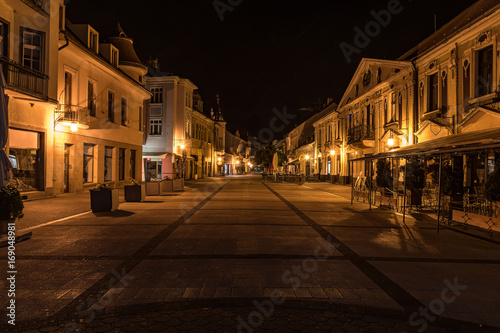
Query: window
(140, 78)
(114, 58)
(392, 116)
(93, 42)
(484, 80)
(466, 80)
(124, 112)
(88, 163)
(155, 127)
(140, 118)
(4, 34)
(111, 106)
(157, 95)
(433, 92)
(444, 92)
(121, 164)
(400, 108)
(68, 90)
(108, 163)
(133, 157)
(32, 49)
(91, 103)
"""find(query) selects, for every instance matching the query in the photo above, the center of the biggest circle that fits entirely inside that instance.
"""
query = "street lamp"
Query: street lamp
(332, 152)
(74, 127)
(390, 142)
(307, 157)
(182, 146)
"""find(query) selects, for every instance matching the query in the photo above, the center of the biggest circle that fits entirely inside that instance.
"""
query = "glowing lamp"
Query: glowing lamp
(182, 146)
(74, 127)
(332, 152)
(390, 142)
(307, 157)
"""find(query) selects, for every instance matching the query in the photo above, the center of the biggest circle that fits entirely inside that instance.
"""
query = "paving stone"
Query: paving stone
(317, 293)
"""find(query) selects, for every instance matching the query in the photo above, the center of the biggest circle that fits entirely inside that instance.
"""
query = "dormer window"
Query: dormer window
(93, 41)
(114, 58)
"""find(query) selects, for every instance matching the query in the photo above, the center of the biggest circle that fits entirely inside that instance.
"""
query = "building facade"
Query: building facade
(98, 118)
(182, 141)
(446, 86)
(29, 32)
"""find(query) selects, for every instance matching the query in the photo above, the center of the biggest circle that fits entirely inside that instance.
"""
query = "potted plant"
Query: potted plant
(153, 187)
(134, 191)
(11, 207)
(415, 179)
(104, 198)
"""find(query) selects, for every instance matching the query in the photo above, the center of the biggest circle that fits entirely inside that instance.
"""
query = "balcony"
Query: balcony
(360, 136)
(73, 116)
(23, 79)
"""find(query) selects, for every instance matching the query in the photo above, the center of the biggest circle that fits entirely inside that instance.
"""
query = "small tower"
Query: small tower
(129, 61)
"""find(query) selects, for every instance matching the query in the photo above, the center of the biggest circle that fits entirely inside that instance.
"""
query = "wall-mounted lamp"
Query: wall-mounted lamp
(390, 142)
(332, 152)
(307, 157)
(182, 146)
(74, 127)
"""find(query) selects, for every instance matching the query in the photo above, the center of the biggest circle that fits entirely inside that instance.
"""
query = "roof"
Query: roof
(463, 142)
(477, 11)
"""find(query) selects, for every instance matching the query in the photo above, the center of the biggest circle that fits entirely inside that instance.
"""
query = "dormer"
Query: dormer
(111, 53)
(88, 35)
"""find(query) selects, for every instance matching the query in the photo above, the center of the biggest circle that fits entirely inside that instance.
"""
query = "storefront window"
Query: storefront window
(121, 159)
(26, 157)
(88, 163)
(108, 163)
(133, 156)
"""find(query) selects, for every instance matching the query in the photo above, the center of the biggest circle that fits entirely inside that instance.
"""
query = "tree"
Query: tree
(265, 156)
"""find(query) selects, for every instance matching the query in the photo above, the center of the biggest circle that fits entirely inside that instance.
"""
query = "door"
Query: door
(151, 170)
(66, 167)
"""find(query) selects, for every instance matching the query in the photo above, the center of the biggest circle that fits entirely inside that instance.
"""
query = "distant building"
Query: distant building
(238, 159)
(181, 139)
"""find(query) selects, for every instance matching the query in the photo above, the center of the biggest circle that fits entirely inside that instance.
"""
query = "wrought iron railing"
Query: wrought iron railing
(23, 78)
(74, 115)
(360, 132)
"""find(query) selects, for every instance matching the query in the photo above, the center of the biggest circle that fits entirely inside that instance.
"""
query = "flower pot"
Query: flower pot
(153, 188)
(104, 200)
(135, 193)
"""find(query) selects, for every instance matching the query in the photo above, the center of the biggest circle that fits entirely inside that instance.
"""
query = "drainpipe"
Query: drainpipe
(455, 118)
(67, 42)
(415, 100)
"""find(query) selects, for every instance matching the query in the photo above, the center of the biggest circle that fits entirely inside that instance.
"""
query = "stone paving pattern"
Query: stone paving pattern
(206, 254)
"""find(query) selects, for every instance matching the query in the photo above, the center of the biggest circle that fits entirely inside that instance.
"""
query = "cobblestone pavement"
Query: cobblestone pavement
(198, 261)
(235, 316)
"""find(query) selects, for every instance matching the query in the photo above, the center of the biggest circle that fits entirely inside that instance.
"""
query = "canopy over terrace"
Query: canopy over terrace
(471, 141)
(457, 143)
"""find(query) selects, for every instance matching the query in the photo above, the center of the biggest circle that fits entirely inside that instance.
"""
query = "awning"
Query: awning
(293, 162)
(463, 142)
(154, 155)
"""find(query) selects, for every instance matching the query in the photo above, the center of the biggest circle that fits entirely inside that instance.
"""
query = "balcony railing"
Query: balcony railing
(359, 133)
(24, 79)
(73, 115)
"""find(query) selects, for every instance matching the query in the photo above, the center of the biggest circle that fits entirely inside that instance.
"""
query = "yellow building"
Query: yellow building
(99, 118)
(28, 55)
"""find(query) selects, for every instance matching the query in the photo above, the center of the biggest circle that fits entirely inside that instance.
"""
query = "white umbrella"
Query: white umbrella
(5, 165)
(275, 162)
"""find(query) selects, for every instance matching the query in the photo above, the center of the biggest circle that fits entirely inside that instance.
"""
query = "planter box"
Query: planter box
(166, 186)
(179, 184)
(4, 224)
(104, 201)
(135, 193)
(153, 188)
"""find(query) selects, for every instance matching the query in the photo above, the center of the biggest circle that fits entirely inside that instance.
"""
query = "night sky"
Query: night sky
(265, 54)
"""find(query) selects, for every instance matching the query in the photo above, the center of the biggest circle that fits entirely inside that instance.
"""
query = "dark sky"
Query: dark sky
(266, 53)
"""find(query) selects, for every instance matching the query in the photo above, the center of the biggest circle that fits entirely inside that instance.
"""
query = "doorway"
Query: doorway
(67, 149)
